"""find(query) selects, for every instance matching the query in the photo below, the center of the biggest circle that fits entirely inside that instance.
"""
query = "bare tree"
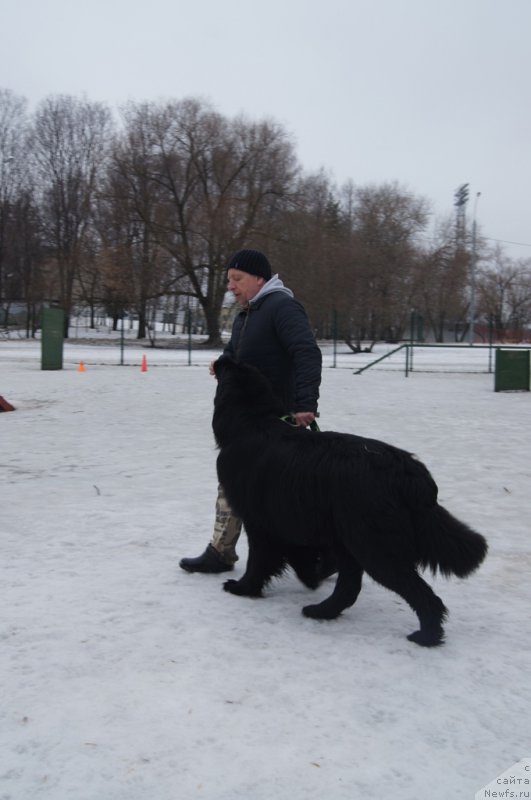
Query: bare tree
(442, 282)
(505, 295)
(223, 183)
(386, 220)
(69, 141)
(313, 250)
(147, 219)
(353, 257)
(519, 302)
(133, 209)
(12, 137)
(25, 281)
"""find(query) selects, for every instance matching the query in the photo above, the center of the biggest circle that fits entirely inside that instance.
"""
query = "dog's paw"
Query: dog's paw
(231, 586)
(241, 589)
(321, 611)
(427, 639)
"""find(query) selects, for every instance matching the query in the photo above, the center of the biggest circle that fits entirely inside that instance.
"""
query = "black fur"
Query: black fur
(300, 492)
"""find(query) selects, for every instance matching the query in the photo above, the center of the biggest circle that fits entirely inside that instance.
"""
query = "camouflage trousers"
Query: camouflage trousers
(227, 529)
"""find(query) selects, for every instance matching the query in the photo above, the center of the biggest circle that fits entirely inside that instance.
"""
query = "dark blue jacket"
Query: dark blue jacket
(274, 335)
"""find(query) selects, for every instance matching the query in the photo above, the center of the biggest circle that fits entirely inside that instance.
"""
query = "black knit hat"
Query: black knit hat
(252, 261)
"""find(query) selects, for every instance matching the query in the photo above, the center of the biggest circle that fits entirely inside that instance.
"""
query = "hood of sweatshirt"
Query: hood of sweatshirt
(274, 284)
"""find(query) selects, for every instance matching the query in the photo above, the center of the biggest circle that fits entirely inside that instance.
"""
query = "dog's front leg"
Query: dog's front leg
(264, 561)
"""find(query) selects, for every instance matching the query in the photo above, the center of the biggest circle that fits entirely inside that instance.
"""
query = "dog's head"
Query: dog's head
(225, 365)
(242, 382)
(243, 396)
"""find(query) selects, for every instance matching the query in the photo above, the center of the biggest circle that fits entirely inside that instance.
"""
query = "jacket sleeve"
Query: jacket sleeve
(228, 350)
(294, 331)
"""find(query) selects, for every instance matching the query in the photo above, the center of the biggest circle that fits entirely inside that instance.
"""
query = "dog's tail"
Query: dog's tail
(447, 545)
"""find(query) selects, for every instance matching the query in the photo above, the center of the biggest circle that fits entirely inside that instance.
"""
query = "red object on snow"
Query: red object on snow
(5, 406)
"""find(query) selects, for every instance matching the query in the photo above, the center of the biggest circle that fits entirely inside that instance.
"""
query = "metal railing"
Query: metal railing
(470, 356)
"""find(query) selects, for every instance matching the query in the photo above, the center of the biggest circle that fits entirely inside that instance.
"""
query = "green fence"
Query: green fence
(511, 364)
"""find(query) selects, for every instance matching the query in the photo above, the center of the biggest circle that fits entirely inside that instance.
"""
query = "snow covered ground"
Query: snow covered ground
(124, 678)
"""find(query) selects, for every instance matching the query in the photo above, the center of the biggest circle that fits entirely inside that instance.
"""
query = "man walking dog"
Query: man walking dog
(271, 332)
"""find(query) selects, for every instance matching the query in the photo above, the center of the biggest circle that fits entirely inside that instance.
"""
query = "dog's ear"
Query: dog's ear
(222, 364)
(247, 377)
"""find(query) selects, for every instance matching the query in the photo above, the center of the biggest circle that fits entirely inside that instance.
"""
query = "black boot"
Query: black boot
(209, 561)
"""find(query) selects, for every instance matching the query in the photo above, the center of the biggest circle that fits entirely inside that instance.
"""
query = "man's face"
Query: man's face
(243, 286)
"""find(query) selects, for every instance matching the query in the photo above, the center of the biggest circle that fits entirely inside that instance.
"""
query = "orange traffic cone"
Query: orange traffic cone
(81, 367)
(143, 368)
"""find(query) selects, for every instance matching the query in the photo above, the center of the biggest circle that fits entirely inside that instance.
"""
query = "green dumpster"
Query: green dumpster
(53, 322)
(512, 370)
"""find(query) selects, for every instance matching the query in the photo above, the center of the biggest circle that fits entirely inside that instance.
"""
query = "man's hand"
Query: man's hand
(304, 418)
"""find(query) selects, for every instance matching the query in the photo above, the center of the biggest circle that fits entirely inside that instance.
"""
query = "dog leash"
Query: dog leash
(290, 420)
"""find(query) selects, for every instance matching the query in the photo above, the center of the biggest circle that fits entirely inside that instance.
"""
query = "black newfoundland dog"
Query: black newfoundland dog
(302, 493)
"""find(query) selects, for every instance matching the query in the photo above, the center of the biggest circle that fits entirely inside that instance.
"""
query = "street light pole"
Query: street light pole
(472, 310)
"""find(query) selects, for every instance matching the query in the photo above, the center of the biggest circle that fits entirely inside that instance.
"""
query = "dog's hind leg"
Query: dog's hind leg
(263, 562)
(346, 590)
(429, 608)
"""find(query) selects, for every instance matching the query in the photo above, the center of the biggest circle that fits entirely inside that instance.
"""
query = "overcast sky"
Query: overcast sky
(429, 94)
